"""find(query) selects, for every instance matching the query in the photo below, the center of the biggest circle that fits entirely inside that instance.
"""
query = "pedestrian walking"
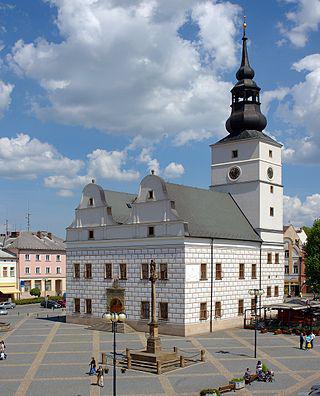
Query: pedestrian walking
(312, 337)
(302, 340)
(308, 342)
(100, 377)
(247, 376)
(93, 366)
(2, 346)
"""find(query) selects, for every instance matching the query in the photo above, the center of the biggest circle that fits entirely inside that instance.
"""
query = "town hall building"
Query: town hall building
(210, 245)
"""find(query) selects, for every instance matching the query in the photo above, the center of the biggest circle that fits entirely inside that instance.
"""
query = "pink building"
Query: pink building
(41, 262)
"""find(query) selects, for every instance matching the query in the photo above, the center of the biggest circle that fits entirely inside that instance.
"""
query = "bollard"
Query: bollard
(104, 358)
(18, 313)
(203, 355)
(37, 315)
(175, 349)
(182, 362)
(128, 358)
(158, 367)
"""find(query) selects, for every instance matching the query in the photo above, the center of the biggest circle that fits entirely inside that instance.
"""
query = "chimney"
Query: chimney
(14, 234)
(49, 235)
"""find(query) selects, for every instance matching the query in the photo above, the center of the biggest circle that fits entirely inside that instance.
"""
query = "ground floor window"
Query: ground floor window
(37, 284)
(88, 306)
(27, 286)
(163, 311)
(276, 291)
(240, 307)
(217, 310)
(203, 311)
(268, 291)
(145, 310)
(48, 286)
(76, 302)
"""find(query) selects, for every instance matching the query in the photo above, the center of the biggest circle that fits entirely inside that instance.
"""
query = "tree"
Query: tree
(35, 292)
(312, 261)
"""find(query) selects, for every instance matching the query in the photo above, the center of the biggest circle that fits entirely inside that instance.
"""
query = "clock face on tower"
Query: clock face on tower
(270, 173)
(234, 173)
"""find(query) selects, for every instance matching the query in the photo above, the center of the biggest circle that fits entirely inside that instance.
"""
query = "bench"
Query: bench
(227, 388)
(253, 377)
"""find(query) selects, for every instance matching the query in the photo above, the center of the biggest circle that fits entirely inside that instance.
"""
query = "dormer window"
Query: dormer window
(270, 153)
(150, 231)
(150, 194)
(234, 154)
(90, 203)
(109, 212)
(172, 204)
(90, 234)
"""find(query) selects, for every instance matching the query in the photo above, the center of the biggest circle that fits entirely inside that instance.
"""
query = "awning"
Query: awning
(9, 289)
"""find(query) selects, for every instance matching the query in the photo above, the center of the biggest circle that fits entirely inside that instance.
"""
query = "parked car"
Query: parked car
(7, 305)
(62, 303)
(3, 311)
(50, 304)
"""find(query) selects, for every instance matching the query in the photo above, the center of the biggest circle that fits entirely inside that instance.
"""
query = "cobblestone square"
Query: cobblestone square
(49, 357)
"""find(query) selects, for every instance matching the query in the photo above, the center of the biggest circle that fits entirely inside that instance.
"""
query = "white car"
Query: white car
(3, 311)
(7, 305)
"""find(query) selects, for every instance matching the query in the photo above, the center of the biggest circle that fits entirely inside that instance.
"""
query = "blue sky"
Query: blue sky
(111, 89)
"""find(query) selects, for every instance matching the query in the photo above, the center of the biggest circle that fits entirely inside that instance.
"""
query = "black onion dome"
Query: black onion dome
(245, 107)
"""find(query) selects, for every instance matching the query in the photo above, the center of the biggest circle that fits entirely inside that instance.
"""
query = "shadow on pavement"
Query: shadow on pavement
(232, 353)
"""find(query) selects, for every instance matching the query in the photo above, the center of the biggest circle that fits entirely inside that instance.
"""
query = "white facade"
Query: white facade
(8, 276)
(96, 237)
(259, 196)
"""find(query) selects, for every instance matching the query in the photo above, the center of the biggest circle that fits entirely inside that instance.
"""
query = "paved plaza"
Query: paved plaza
(49, 357)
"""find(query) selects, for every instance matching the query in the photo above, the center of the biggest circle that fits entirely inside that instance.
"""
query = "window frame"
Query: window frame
(90, 235)
(217, 309)
(76, 274)
(271, 211)
(242, 271)
(276, 291)
(107, 273)
(151, 232)
(25, 270)
(234, 154)
(217, 271)
(37, 272)
(240, 307)
(203, 274)
(76, 305)
(163, 271)
(88, 304)
(143, 304)
(254, 272)
(203, 314)
(121, 272)
(276, 258)
(269, 292)
(144, 271)
(58, 270)
(162, 318)
(269, 258)
(87, 272)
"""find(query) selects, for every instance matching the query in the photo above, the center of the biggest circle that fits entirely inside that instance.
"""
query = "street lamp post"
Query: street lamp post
(255, 293)
(114, 318)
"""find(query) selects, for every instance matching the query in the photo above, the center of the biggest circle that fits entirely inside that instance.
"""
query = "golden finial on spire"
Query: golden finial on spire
(244, 22)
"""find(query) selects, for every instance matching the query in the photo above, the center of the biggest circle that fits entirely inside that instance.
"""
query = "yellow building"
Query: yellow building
(8, 276)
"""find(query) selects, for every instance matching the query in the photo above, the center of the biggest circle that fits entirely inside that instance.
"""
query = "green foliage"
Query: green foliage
(24, 301)
(312, 260)
(210, 391)
(237, 380)
(264, 368)
(35, 292)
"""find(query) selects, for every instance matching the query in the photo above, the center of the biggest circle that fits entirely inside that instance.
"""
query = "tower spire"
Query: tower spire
(245, 107)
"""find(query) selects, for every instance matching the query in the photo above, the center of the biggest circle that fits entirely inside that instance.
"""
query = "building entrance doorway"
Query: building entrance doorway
(116, 305)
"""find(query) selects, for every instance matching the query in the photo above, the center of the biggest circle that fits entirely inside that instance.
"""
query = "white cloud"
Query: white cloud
(301, 213)
(23, 156)
(299, 107)
(145, 157)
(127, 70)
(66, 182)
(65, 193)
(5, 96)
(304, 18)
(173, 171)
(268, 96)
(108, 165)
(190, 135)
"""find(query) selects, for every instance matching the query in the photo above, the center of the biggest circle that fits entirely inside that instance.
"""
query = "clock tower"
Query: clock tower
(247, 163)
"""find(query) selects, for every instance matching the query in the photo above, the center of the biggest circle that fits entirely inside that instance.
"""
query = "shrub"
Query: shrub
(35, 292)
(24, 301)
(210, 391)
(264, 368)
(237, 380)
